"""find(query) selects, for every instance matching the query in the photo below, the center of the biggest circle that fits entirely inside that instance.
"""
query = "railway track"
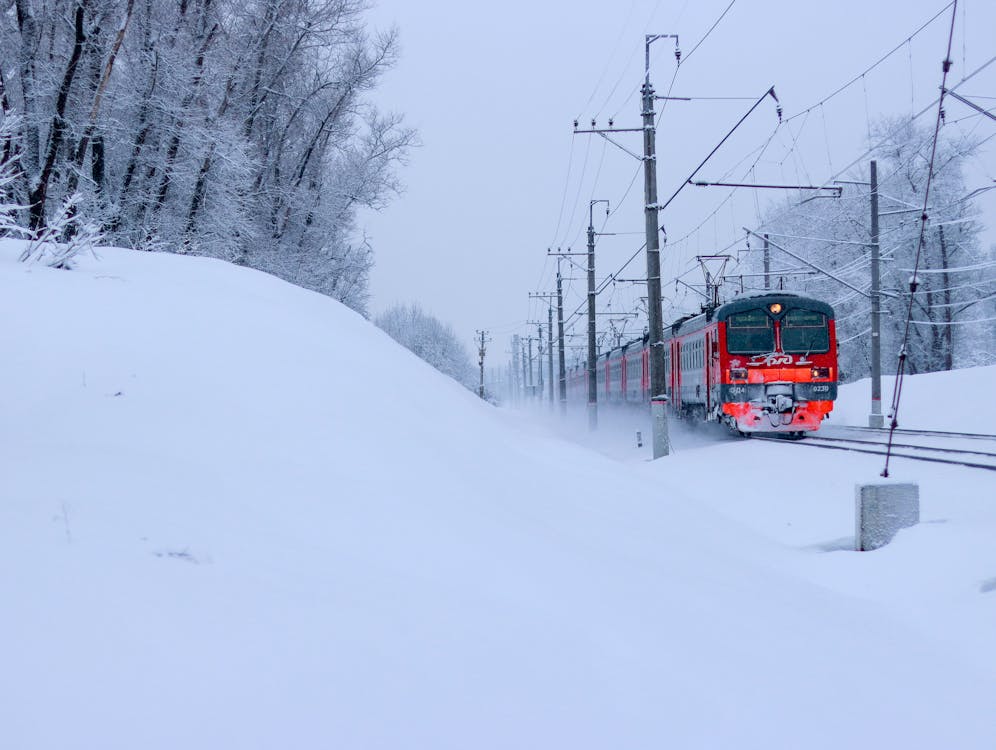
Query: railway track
(874, 442)
(925, 433)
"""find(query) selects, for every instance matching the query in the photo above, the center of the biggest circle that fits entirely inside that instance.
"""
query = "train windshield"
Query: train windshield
(750, 332)
(805, 332)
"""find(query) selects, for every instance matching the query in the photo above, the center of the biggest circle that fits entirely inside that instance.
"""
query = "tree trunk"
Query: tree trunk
(38, 194)
(79, 155)
(197, 200)
(28, 29)
(946, 281)
(174, 144)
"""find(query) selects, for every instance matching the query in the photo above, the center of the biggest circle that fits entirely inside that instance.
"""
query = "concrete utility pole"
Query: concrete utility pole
(549, 343)
(948, 331)
(562, 369)
(539, 362)
(516, 370)
(658, 397)
(532, 388)
(592, 351)
(525, 377)
(480, 353)
(767, 264)
(549, 347)
(875, 419)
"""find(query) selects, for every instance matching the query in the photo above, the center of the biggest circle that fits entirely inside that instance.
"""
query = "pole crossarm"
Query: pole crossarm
(735, 276)
(966, 102)
(691, 286)
(601, 131)
(833, 188)
(802, 260)
(770, 92)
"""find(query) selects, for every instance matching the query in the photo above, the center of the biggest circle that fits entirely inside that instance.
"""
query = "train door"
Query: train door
(645, 373)
(708, 372)
(624, 375)
(676, 374)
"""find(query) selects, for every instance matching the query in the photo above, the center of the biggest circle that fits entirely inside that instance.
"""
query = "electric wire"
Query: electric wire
(901, 365)
(794, 151)
(710, 30)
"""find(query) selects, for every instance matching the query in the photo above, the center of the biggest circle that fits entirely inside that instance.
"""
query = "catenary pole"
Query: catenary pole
(592, 351)
(549, 347)
(539, 363)
(516, 368)
(658, 397)
(532, 388)
(525, 378)
(562, 369)
(480, 352)
(948, 312)
(767, 264)
(875, 419)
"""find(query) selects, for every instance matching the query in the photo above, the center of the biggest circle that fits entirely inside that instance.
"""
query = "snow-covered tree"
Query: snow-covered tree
(239, 130)
(430, 339)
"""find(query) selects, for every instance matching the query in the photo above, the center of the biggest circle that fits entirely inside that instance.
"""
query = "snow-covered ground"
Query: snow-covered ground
(236, 515)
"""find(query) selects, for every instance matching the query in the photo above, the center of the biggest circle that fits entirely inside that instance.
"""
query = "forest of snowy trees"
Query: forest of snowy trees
(954, 304)
(431, 340)
(237, 130)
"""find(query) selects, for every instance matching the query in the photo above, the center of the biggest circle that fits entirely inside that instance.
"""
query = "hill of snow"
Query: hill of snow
(234, 514)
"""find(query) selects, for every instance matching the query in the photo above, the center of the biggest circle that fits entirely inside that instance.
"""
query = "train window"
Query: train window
(750, 332)
(804, 332)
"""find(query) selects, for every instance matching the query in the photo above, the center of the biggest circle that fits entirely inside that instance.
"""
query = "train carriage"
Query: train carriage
(774, 365)
(766, 363)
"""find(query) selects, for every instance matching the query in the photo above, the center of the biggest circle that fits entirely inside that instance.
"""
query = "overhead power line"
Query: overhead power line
(897, 391)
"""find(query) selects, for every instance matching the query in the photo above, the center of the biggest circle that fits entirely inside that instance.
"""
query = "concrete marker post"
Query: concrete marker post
(881, 510)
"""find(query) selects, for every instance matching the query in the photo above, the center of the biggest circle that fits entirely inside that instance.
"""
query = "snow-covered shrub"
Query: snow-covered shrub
(47, 247)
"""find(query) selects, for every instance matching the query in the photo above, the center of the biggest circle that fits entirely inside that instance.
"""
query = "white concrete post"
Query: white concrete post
(883, 509)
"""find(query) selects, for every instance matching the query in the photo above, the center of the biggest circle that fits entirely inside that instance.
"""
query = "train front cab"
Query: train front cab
(777, 362)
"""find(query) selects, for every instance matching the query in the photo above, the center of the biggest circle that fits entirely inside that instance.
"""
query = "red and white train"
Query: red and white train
(766, 363)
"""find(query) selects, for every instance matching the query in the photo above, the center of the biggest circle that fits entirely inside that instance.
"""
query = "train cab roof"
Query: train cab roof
(786, 299)
(691, 323)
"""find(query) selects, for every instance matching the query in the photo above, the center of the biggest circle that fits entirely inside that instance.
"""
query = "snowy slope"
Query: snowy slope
(236, 515)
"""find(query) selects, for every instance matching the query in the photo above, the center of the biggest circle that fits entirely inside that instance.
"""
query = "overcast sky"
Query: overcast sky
(493, 89)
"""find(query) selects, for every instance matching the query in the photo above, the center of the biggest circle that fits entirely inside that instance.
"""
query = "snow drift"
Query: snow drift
(235, 514)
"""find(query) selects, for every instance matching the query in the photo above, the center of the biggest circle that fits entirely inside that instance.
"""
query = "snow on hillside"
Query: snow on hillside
(236, 515)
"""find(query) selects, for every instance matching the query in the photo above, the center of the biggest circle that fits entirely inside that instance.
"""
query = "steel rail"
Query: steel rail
(925, 433)
(913, 457)
(988, 454)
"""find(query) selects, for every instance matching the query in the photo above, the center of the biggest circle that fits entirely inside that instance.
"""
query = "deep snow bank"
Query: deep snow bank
(235, 514)
(957, 401)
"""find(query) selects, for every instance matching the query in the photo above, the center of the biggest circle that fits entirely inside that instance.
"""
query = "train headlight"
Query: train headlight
(738, 373)
(775, 308)
(820, 372)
